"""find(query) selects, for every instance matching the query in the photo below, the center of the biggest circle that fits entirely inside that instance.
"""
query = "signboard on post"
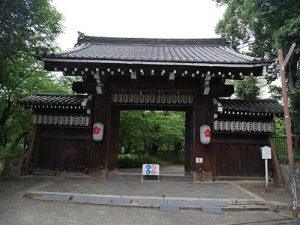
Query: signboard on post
(266, 153)
(150, 170)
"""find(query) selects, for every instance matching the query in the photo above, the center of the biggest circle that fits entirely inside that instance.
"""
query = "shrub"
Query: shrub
(134, 161)
(11, 161)
(8, 152)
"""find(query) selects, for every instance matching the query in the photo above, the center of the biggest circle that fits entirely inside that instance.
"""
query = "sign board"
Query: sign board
(199, 160)
(266, 152)
(150, 170)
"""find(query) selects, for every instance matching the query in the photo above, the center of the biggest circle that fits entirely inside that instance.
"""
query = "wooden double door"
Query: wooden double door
(238, 160)
(62, 154)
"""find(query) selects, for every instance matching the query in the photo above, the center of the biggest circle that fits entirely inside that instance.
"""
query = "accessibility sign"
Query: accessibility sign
(150, 170)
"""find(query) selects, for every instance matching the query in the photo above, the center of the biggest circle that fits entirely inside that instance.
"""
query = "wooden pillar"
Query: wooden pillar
(189, 139)
(101, 112)
(201, 116)
(114, 138)
(278, 176)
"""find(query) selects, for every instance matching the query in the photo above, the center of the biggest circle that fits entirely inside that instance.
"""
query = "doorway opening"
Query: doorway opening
(152, 137)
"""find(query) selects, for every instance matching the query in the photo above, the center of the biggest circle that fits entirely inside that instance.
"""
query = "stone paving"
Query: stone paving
(23, 211)
(169, 169)
(115, 186)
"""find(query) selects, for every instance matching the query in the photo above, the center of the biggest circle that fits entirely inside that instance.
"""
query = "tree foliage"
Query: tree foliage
(27, 28)
(276, 92)
(264, 26)
(248, 88)
(152, 130)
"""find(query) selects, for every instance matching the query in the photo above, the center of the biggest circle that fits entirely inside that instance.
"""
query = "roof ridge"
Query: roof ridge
(150, 41)
(56, 94)
(76, 48)
(265, 99)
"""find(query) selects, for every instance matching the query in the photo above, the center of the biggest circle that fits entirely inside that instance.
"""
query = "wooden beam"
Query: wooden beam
(171, 76)
(275, 162)
(133, 75)
(83, 87)
(221, 90)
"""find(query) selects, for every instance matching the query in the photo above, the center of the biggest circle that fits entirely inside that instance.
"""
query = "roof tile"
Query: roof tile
(253, 106)
(156, 50)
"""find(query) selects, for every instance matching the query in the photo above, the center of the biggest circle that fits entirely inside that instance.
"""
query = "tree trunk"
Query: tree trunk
(177, 148)
(154, 149)
(7, 111)
(128, 148)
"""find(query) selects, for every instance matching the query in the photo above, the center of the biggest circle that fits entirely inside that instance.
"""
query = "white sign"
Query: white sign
(266, 152)
(150, 170)
(199, 160)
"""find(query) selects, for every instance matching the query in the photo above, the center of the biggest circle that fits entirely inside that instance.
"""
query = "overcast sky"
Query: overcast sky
(137, 18)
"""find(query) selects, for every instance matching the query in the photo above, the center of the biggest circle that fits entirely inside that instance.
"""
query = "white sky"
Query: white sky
(138, 18)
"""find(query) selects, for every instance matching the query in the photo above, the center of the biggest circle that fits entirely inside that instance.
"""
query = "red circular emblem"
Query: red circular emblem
(207, 133)
(96, 130)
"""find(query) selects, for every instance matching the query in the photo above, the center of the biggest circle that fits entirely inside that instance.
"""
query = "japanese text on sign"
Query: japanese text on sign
(266, 152)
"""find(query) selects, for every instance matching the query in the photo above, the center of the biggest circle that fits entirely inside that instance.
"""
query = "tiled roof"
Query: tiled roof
(53, 100)
(143, 50)
(253, 106)
(265, 106)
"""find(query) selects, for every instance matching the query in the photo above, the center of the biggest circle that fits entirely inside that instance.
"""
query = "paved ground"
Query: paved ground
(16, 210)
(273, 194)
(116, 186)
(169, 169)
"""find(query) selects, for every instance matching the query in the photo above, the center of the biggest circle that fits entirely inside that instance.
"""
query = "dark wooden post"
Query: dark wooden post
(279, 180)
(189, 139)
(98, 155)
(200, 117)
(114, 139)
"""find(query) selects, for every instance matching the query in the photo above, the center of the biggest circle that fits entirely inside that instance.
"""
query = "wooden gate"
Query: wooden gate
(238, 160)
(62, 154)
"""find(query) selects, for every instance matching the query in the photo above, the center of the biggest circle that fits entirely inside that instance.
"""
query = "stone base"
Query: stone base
(98, 173)
(202, 176)
(286, 177)
(11, 167)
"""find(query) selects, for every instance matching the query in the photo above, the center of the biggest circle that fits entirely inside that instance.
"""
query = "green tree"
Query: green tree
(152, 130)
(28, 27)
(264, 26)
(276, 92)
(248, 88)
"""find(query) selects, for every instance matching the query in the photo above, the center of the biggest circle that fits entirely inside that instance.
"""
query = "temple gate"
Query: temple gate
(153, 74)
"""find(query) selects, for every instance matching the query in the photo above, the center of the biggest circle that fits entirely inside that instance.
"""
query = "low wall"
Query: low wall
(286, 177)
(10, 167)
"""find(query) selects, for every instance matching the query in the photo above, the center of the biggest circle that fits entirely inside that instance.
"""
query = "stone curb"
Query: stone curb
(156, 201)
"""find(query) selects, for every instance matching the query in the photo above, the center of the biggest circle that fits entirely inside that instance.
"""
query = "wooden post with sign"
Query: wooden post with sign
(266, 154)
